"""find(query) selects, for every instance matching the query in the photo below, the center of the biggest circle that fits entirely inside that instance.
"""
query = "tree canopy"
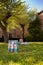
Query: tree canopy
(14, 13)
(14, 10)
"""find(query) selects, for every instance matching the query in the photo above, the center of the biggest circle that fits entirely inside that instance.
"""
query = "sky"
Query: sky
(38, 4)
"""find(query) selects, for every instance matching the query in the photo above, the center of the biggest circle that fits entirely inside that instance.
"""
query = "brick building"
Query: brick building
(14, 33)
(40, 15)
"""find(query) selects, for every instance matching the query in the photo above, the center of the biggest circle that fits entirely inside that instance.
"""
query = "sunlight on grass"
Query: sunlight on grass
(2, 43)
(36, 42)
(1, 62)
(9, 63)
(39, 63)
(31, 54)
(12, 63)
(30, 59)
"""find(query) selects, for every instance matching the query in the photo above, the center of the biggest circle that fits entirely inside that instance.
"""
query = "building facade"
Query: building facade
(40, 15)
(14, 33)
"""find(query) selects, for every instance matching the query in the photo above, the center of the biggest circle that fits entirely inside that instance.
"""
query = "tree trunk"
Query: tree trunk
(23, 25)
(23, 32)
(5, 35)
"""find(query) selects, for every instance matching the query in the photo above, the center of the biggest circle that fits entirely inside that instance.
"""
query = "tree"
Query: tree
(23, 22)
(32, 14)
(34, 29)
(26, 18)
(21, 15)
(8, 9)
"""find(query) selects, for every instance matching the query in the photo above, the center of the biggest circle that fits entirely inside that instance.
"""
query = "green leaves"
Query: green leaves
(32, 14)
(3, 11)
(16, 10)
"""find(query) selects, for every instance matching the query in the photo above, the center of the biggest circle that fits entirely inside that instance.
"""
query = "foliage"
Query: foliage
(32, 13)
(11, 13)
(30, 54)
(3, 11)
(35, 31)
(17, 10)
(41, 36)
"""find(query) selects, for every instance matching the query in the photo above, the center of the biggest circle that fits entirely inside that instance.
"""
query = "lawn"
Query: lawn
(30, 54)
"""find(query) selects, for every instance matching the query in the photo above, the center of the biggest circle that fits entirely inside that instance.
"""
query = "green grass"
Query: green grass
(31, 54)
